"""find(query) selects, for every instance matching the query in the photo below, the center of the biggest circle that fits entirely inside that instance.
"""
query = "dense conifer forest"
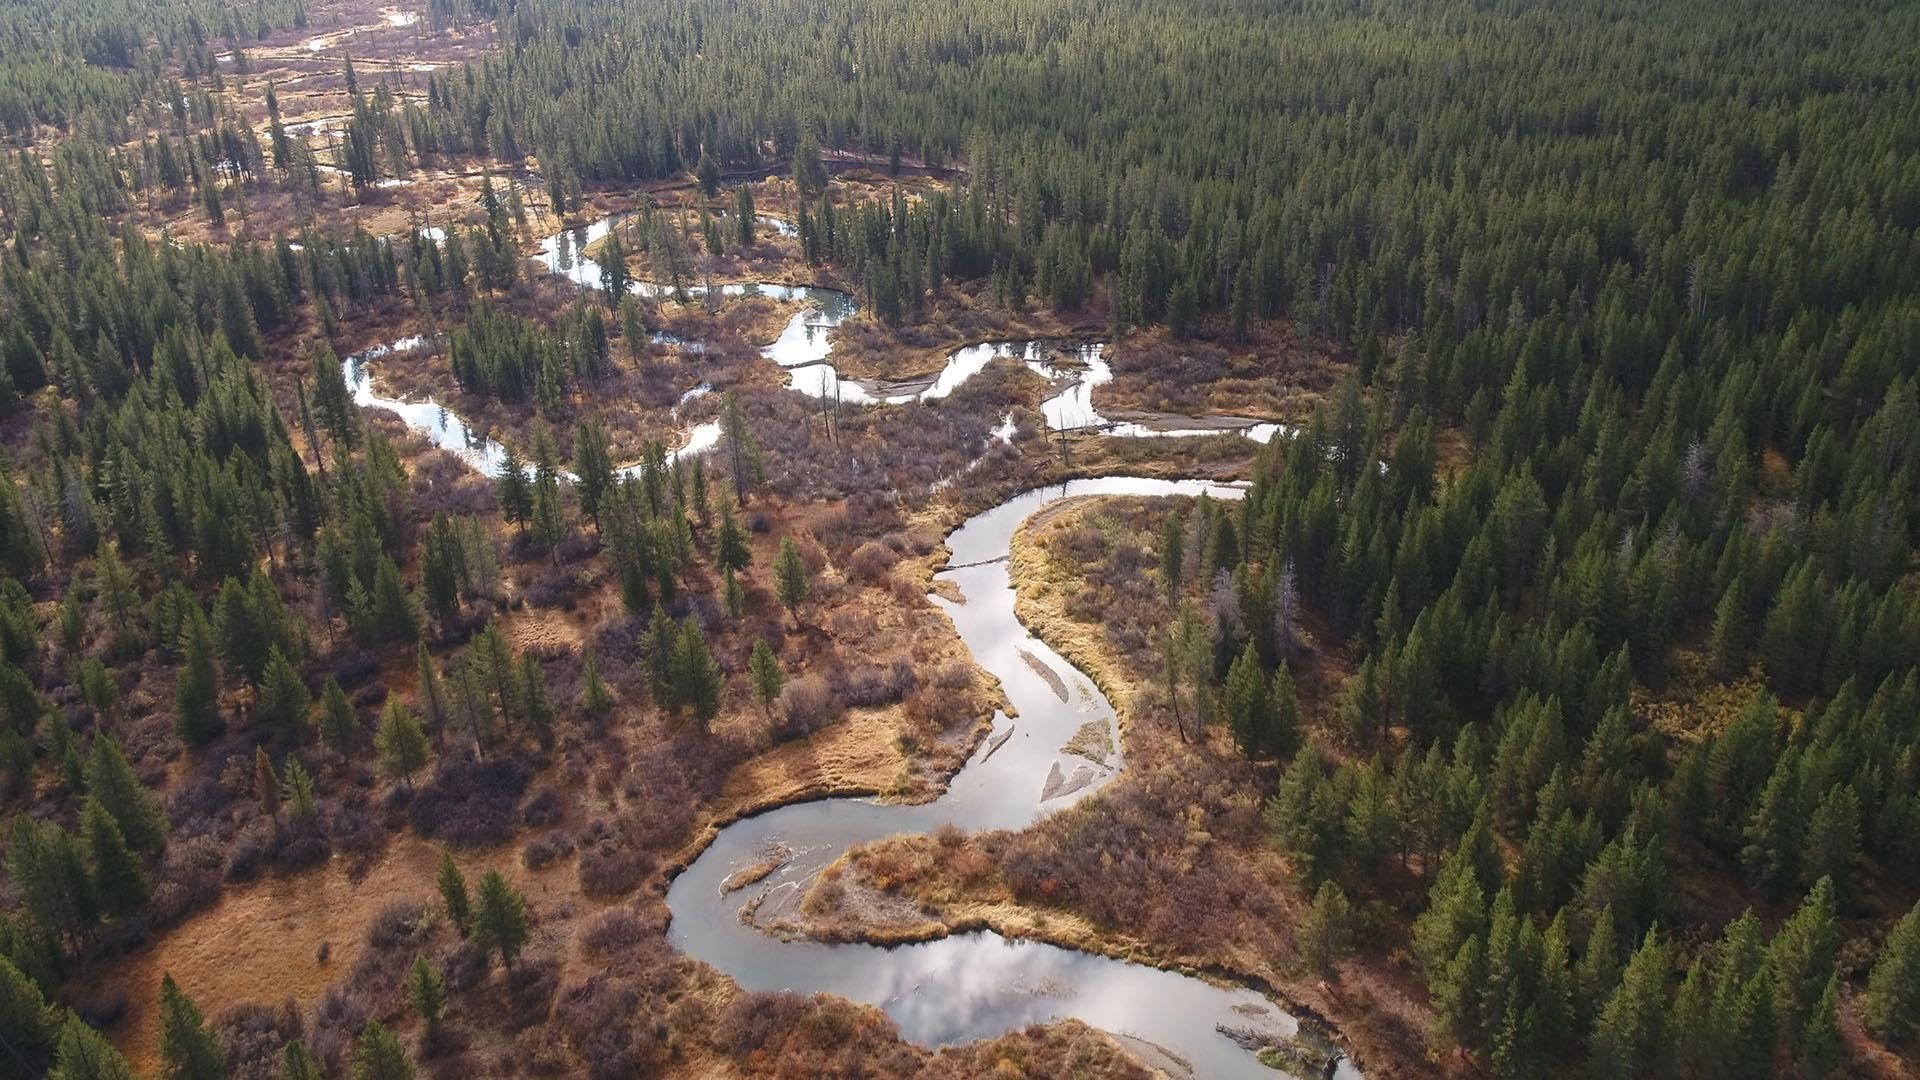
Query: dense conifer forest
(1557, 676)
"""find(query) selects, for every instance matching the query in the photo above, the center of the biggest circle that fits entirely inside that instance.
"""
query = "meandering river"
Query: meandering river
(967, 986)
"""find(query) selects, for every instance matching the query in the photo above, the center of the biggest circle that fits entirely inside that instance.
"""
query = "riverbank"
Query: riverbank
(952, 884)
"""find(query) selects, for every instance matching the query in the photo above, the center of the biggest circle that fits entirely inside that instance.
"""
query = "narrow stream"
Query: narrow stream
(802, 348)
(977, 985)
(972, 985)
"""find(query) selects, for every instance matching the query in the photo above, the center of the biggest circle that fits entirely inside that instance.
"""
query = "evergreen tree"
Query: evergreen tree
(1802, 959)
(733, 595)
(189, 1047)
(283, 697)
(430, 694)
(391, 615)
(790, 578)
(697, 680)
(82, 1054)
(401, 743)
(339, 724)
(499, 918)
(453, 893)
(1832, 846)
(196, 715)
(1245, 700)
(1630, 1037)
(1892, 1004)
(1282, 736)
(110, 779)
(764, 669)
(296, 790)
(119, 885)
(51, 880)
(535, 704)
(515, 494)
(596, 697)
(1172, 556)
(378, 1055)
(27, 1030)
(426, 991)
(298, 1064)
(1325, 931)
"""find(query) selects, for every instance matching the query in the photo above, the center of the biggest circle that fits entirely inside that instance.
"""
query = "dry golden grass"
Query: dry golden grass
(262, 941)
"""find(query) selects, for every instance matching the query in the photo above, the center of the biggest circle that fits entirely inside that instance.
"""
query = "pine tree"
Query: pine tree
(1727, 651)
(790, 578)
(283, 697)
(516, 496)
(1821, 1049)
(391, 614)
(1245, 700)
(614, 277)
(1802, 959)
(296, 790)
(596, 697)
(426, 991)
(499, 918)
(1598, 973)
(378, 1055)
(83, 1054)
(733, 596)
(50, 879)
(119, 885)
(401, 743)
(697, 680)
(27, 1033)
(1832, 846)
(196, 715)
(730, 545)
(764, 669)
(1892, 1004)
(339, 725)
(536, 706)
(1456, 911)
(1326, 930)
(430, 694)
(1630, 1037)
(1282, 736)
(110, 779)
(297, 1063)
(1172, 556)
(189, 1047)
(453, 894)
(1362, 706)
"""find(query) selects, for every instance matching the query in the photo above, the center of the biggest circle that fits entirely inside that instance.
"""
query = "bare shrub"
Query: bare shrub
(807, 704)
(543, 808)
(869, 687)
(608, 1022)
(337, 1020)
(546, 850)
(531, 985)
(613, 868)
(871, 562)
(463, 965)
(469, 803)
(189, 880)
(254, 1037)
(613, 929)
